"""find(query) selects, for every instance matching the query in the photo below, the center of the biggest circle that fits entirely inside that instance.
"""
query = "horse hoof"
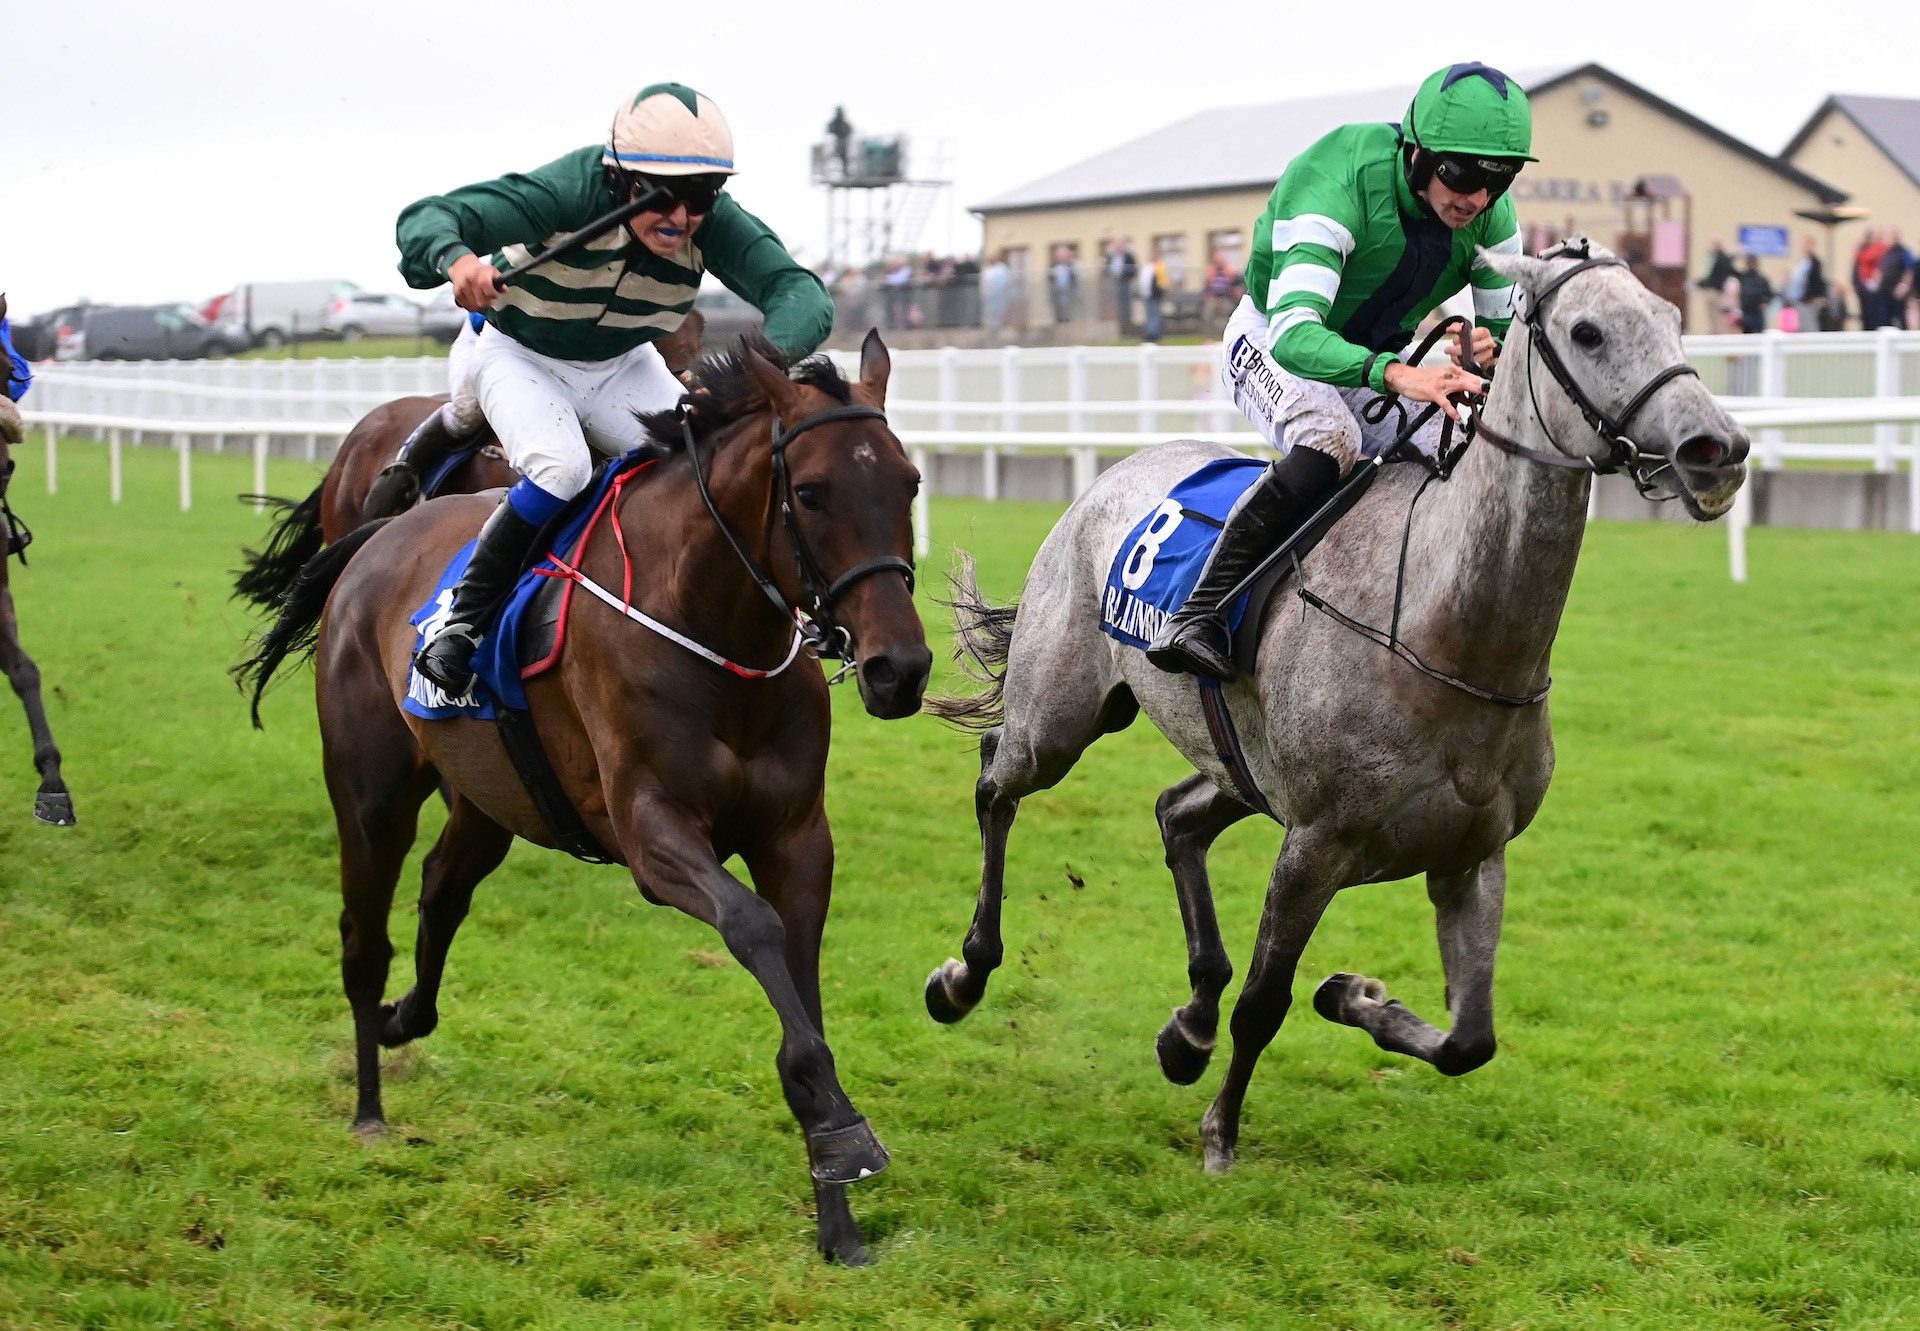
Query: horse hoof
(845, 1155)
(941, 1004)
(399, 1025)
(370, 1129)
(55, 809)
(849, 1254)
(1182, 1059)
(1331, 998)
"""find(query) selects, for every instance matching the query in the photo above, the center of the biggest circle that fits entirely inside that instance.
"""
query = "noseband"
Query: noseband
(1623, 453)
(825, 636)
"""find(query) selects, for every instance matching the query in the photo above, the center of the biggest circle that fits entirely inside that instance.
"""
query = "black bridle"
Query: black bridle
(15, 536)
(1623, 454)
(826, 636)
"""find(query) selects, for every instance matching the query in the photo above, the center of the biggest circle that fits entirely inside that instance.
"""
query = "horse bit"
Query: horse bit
(826, 637)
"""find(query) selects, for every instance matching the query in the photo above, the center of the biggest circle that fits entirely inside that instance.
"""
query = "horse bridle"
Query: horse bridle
(1623, 453)
(825, 635)
(15, 535)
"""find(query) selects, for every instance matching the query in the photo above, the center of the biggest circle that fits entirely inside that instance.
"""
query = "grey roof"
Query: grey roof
(1247, 147)
(1893, 123)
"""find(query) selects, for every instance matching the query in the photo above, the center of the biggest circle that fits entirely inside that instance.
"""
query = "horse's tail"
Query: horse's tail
(983, 635)
(294, 539)
(297, 629)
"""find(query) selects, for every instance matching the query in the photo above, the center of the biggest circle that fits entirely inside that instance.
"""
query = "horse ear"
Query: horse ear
(3, 304)
(875, 365)
(1527, 272)
(783, 395)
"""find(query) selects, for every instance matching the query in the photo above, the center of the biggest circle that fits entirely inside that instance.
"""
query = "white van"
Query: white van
(271, 314)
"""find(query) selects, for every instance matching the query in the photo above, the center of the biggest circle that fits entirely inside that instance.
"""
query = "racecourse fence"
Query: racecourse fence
(1849, 398)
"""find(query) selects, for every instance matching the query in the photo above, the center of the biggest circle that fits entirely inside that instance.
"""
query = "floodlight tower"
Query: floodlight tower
(875, 205)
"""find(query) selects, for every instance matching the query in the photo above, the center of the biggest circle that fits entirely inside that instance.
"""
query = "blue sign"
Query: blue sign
(1765, 242)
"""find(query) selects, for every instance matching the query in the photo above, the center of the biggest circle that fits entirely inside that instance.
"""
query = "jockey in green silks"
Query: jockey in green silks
(1367, 233)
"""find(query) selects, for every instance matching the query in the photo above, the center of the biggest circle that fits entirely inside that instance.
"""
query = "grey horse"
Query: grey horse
(1378, 770)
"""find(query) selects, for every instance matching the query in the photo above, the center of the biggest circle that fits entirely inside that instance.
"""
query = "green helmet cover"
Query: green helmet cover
(1472, 109)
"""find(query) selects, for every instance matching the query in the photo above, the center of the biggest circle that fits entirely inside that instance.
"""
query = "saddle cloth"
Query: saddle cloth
(1158, 563)
(528, 635)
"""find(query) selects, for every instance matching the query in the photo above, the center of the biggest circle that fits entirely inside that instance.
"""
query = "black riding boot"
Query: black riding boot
(1195, 641)
(447, 659)
(397, 489)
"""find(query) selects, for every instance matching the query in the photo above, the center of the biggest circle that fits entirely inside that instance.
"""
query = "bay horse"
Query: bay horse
(52, 802)
(1422, 749)
(673, 762)
(334, 508)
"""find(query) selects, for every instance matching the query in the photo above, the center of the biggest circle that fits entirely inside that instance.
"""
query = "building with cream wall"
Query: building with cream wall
(1195, 187)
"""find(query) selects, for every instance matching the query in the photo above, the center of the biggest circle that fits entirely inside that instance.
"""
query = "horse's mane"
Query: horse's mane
(731, 392)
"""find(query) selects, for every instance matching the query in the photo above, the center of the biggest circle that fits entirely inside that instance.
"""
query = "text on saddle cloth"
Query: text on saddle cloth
(1160, 560)
(500, 671)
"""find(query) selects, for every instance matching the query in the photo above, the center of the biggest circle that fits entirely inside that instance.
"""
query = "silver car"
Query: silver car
(357, 314)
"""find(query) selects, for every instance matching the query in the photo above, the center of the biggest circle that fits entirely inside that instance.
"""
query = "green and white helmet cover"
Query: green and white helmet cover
(1471, 109)
(668, 129)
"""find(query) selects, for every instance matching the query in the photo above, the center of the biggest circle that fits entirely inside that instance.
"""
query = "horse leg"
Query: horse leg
(377, 783)
(676, 862)
(470, 847)
(52, 803)
(1304, 880)
(1467, 909)
(1192, 815)
(1030, 752)
(795, 874)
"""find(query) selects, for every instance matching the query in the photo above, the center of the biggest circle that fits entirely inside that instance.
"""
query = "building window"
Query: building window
(1228, 249)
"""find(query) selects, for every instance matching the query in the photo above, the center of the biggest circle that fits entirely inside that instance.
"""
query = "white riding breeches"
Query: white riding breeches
(462, 413)
(1289, 410)
(552, 415)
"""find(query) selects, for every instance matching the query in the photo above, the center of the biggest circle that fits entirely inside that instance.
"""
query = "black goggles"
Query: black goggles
(1470, 175)
(699, 192)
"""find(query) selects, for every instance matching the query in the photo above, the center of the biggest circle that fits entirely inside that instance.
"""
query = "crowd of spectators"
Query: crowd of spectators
(1886, 289)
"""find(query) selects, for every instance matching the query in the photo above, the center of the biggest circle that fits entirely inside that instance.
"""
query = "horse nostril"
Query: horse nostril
(878, 672)
(1703, 453)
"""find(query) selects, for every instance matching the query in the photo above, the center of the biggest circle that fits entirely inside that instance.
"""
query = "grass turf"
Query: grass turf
(1702, 1114)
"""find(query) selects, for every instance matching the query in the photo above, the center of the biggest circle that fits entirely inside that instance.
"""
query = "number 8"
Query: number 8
(1139, 565)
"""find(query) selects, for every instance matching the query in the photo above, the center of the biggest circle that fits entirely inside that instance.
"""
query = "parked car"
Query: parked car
(357, 314)
(444, 318)
(271, 314)
(139, 332)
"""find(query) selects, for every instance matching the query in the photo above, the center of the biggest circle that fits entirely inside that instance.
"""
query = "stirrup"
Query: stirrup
(1187, 647)
(440, 672)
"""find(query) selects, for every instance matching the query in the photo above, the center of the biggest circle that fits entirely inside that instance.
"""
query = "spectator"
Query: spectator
(1752, 294)
(1153, 291)
(1806, 290)
(1866, 277)
(1061, 283)
(1894, 270)
(1719, 272)
(1122, 269)
(1218, 298)
(996, 284)
(897, 290)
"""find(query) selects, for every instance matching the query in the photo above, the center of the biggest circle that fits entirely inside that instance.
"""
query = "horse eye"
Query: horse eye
(1587, 335)
(810, 497)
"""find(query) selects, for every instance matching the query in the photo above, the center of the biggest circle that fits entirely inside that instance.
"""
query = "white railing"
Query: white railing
(979, 401)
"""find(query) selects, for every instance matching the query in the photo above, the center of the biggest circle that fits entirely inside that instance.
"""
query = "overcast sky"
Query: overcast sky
(160, 152)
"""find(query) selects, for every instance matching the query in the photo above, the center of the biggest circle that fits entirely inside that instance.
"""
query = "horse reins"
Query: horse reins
(826, 636)
(15, 535)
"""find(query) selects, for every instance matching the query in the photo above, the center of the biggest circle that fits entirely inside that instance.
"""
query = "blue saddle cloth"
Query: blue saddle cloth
(1159, 562)
(496, 662)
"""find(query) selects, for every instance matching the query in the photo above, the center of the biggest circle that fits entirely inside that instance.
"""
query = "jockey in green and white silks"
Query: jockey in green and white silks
(565, 361)
(1369, 231)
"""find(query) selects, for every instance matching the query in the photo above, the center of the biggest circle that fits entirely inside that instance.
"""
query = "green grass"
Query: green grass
(1703, 1113)
(367, 348)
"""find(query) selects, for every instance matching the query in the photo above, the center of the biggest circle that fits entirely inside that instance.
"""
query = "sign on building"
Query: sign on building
(1764, 242)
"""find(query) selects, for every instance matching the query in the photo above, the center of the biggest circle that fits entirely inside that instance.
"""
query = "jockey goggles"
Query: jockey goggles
(698, 192)
(1469, 175)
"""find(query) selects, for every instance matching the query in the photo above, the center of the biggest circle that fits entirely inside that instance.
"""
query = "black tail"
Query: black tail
(295, 539)
(983, 635)
(297, 628)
